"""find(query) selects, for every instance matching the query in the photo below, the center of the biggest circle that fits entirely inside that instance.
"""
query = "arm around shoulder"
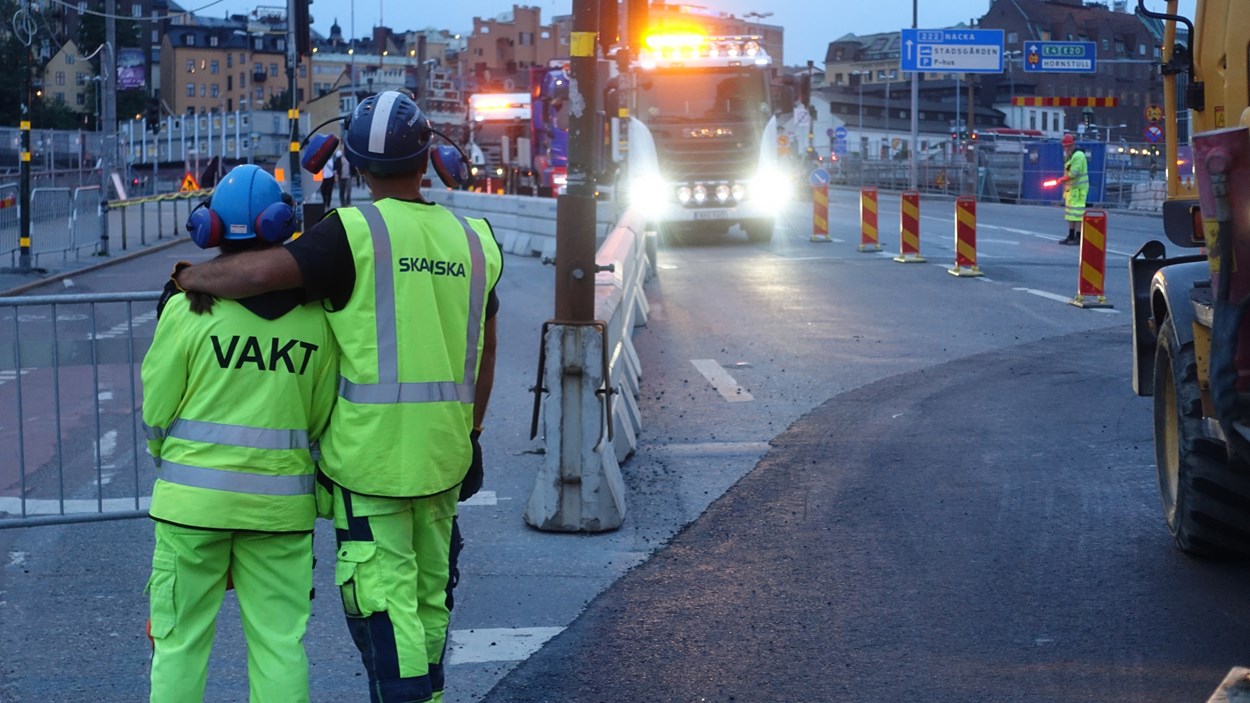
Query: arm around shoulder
(244, 274)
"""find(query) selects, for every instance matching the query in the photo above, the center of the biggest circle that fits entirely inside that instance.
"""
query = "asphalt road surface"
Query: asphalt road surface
(917, 487)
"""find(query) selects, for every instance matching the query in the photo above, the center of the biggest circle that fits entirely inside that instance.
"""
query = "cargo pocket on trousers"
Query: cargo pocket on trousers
(351, 575)
(160, 590)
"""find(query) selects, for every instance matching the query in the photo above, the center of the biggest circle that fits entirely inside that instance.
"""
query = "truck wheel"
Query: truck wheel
(1206, 500)
(760, 231)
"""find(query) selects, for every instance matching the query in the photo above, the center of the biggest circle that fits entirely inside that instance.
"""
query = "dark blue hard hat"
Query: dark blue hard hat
(388, 133)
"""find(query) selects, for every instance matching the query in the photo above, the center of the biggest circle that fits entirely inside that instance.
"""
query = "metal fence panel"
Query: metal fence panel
(10, 234)
(50, 211)
(69, 402)
(86, 224)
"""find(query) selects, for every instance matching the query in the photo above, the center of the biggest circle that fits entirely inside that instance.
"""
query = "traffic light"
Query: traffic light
(303, 28)
(153, 115)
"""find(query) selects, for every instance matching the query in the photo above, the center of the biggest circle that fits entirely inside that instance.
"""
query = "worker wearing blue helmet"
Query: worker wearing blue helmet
(410, 289)
(233, 403)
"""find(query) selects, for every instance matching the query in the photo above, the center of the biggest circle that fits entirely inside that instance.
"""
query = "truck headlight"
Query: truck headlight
(739, 191)
(722, 192)
(684, 194)
(700, 194)
(770, 186)
(648, 191)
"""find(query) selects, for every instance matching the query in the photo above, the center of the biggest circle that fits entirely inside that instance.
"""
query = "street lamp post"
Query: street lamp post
(1010, 57)
(860, 126)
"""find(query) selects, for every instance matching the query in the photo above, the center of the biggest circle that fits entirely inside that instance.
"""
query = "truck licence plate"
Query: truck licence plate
(712, 214)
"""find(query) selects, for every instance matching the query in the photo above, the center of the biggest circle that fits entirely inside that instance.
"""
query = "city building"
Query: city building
(227, 65)
(500, 50)
(67, 79)
(1127, 47)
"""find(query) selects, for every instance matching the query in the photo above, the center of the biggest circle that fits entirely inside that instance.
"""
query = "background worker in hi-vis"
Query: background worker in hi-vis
(1075, 182)
(235, 392)
(410, 290)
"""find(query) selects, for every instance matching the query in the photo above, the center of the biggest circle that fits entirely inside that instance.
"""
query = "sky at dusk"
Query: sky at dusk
(810, 24)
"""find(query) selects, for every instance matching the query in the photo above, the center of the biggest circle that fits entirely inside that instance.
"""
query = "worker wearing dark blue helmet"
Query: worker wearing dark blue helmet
(410, 289)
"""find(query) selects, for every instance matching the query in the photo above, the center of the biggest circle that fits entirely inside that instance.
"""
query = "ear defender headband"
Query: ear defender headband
(449, 160)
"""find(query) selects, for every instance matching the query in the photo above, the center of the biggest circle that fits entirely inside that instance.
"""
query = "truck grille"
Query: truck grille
(683, 158)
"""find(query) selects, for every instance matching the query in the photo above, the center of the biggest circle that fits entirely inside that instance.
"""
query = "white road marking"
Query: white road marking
(17, 558)
(706, 449)
(496, 644)
(9, 374)
(482, 498)
(1064, 299)
(123, 328)
(721, 380)
(68, 282)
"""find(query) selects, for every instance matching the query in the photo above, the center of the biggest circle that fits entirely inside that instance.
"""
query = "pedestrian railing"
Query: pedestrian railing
(70, 404)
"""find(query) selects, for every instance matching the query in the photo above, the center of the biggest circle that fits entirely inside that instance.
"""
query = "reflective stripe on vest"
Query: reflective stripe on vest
(153, 433)
(388, 389)
(238, 435)
(235, 481)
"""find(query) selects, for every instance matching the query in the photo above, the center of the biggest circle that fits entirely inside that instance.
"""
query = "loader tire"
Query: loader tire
(1206, 498)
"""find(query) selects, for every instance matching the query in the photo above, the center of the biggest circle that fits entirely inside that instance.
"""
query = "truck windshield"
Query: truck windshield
(691, 94)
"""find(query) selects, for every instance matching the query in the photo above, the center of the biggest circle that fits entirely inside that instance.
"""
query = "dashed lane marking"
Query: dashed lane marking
(123, 328)
(482, 498)
(721, 380)
(1063, 299)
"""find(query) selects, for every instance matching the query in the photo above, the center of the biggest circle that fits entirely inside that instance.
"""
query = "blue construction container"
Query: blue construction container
(1043, 161)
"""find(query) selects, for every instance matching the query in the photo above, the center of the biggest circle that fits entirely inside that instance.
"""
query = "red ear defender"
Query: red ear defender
(320, 148)
(205, 226)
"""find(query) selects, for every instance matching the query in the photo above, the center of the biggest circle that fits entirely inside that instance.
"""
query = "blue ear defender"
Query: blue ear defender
(205, 226)
(450, 165)
(277, 222)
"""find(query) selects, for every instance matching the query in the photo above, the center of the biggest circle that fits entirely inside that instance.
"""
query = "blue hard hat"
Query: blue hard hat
(388, 133)
(241, 197)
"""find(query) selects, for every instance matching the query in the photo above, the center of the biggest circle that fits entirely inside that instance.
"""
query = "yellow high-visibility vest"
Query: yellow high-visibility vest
(411, 339)
(233, 405)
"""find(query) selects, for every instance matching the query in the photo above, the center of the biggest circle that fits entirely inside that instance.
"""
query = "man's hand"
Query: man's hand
(473, 480)
(171, 288)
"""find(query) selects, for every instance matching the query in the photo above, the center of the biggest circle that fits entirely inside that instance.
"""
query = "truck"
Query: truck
(701, 153)
(549, 126)
(499, 140)
(1190, 336)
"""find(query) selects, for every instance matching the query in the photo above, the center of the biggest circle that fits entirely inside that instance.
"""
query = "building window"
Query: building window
(80, 78)
(229, 83)
(212, 41)
(281, 44)
(229, 60)
(81, 99)
(1141, 49)
(190, 65)
(190, 90)
(156, 36)
(1032, 119)
(1119, 48)
(1012, 38)
(190, 39)
(136, 10)
(69, 59)
(260, 94)
(60, 77)
(484, 29)
(214, 66)
(545, 34)
(1106, 44)
(273, 69)
(527, 38)
(203, 90)
(1045, 115)
(82, 6)
(212, 91)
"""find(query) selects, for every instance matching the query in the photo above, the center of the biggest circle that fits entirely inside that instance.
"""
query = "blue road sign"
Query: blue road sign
(839, 146)
(1153, 134)
(820, 177)
(1060, 57)
(952, 50)
(840, 132)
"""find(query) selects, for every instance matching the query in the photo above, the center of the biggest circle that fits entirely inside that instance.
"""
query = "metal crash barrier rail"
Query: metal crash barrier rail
(69, 408)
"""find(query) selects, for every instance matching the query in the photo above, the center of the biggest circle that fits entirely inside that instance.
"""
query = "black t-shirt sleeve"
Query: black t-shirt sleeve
(324, 257)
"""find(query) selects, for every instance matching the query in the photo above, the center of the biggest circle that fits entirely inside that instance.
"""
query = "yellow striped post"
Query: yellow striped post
(820, 212)
(868, 236)
(965, 238)
(909, 229)
(1093, 261)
